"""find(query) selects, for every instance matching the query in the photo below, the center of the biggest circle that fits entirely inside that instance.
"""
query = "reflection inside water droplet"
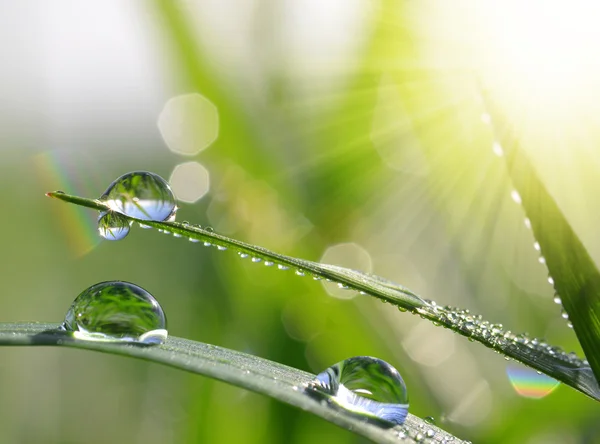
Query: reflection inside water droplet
(142, 195)
(113, 226)
(364, 386)
(116, 311)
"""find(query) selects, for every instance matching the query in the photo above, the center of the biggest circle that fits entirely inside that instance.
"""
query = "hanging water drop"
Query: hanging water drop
(113, 226)
(116, 311)
(268, 264)
(283, 267)
(244, 255)
(364, 386)
(194, 240)
(176, 234)
(207, 244)
(256, 259)
(142, 195)
(221, 248)
(564, 314)
(550, 280)
(557, 299)
(299, 273)
(429, 420)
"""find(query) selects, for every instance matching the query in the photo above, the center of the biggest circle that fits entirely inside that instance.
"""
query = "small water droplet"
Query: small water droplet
(300, 272)
(514, 194)
(268, 264)
(429, 420)
(221, 248)
(542, 260)
(176, 235)
(536, 246)
(364, 386)
(430, 433)
(118, 312)
(283, 267)
(564, 314)
(193, 240)
(209, 229)
(244, 255)
(557, 299)
(113, 226)
(550, 280)
(528, 223)
(497, 149)
(207, 244)
(570, 324)
(142, 195)
(256, 259)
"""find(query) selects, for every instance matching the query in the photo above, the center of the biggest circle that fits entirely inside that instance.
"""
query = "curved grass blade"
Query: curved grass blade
(550, 360)
(575, 276)
(286, 384)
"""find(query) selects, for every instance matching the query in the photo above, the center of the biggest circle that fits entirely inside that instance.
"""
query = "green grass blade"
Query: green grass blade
(575, 276)
(243, 370)
(550, 360)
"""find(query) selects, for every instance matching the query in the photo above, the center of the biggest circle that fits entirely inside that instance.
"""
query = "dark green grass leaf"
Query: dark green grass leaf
(247, 371)
(545, 358)
(575, 275)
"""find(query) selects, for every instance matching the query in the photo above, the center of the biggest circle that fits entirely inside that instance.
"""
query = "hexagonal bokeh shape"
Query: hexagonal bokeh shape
(190, 181)
(189, 123)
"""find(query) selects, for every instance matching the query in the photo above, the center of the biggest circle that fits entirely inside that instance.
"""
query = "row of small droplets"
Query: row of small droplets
(254, 259)
(514, 194)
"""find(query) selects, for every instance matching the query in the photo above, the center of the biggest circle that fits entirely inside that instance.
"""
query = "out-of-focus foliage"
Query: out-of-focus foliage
(353, 123)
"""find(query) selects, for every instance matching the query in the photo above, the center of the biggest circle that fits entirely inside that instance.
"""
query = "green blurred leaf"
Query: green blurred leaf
(575, 276)
(247, 371)
(543, 357)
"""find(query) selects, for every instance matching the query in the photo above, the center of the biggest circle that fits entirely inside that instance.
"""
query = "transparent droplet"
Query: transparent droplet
(516, 197)
(142, 195)
(564, 314)
(193, 240)
(557, 299)
(116, 311)
(283, 267)
(113, 226)
(268, 264)
(542, 260)
(243, 255)
(550, 280)
(429, 420)
(364, 386)
(256, 259)
(221, 248)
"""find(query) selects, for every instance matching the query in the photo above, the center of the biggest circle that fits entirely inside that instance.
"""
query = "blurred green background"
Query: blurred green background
(343, 131)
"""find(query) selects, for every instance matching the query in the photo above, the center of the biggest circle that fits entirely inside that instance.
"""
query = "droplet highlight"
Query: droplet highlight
(116, 311)
(364, 386)
(142, 195)
(113, 226)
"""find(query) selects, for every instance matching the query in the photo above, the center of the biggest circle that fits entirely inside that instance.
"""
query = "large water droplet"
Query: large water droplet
(364, 386)
(112, 225)
(142, 195)
(116, 311)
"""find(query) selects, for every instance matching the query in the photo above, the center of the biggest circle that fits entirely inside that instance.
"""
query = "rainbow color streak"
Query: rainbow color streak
(55, 172)
(529, 384)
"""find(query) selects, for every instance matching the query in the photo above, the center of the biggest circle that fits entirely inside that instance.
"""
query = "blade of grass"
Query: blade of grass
(550, 360)
(240, 369)
(574, 274)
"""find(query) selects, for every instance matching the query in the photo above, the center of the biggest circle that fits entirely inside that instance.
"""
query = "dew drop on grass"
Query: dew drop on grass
(113, 226)
(142, 195)
(283, 267)
(429, 420)
(116, 311)
(366, 387)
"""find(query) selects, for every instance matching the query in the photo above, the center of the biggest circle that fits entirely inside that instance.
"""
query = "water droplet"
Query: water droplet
(113, 226)
(207, 244)
(299, 272)
(557, 299)
(364, 386)
(564, 314)
(536, 246)
(542, 260)
(209, 229)
(430, 433)
(116, 311)
(142, 195)
(221, 248)
(429, 420)
(497, 149)
(528, 223)
(193, 240)
(514, 194)
(176, 235)
(550, 280)
(243, 255)
(283, 267)
(570, 324)
(268, 264)
(256, 259)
